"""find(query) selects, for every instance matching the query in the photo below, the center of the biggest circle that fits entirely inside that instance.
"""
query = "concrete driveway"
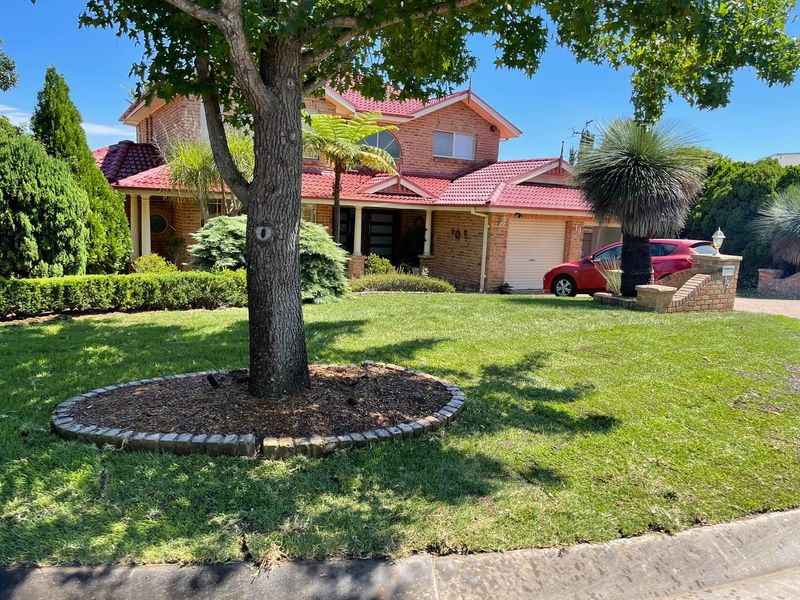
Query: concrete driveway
(787, 308)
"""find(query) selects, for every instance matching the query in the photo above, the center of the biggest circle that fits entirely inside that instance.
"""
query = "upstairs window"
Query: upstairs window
(385, 141)
(448, 144)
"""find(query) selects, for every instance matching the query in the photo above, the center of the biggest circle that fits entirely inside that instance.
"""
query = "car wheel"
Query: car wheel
(564, 286)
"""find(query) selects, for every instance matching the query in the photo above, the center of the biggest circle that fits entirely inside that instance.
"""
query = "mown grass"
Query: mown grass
(583, 423)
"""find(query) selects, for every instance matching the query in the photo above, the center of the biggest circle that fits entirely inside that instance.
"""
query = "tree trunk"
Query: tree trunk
(636, 263)
(337, 209)
(278, 359)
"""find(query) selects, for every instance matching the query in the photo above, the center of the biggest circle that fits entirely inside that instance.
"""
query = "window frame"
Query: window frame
(453, 145)
(383, 147)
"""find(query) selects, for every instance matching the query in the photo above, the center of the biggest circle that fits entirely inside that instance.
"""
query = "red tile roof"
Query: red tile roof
(486, 186)
(126, 158)
(389, 106)
(157, 178)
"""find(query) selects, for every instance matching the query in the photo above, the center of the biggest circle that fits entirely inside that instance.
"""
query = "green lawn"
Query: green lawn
(583, 423)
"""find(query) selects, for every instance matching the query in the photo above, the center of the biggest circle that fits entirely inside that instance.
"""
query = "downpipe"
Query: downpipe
(484, 248)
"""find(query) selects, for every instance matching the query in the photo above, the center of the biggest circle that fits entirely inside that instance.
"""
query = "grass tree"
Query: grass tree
(340, 143)
(646, 178)
(193, 169)
(779, 225)
(255, 60)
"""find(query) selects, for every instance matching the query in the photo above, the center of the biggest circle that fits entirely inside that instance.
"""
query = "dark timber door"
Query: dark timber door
(381, 232)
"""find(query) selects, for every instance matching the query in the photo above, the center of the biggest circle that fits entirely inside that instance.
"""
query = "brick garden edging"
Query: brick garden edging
(63, 423)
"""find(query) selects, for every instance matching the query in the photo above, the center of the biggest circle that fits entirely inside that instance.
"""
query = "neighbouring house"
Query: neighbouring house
(786, 159)
(455, 209)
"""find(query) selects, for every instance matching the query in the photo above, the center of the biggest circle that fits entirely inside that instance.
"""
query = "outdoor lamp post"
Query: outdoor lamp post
(717, 239)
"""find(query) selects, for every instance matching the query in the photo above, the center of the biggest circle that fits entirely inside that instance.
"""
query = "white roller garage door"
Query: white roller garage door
(533, 248)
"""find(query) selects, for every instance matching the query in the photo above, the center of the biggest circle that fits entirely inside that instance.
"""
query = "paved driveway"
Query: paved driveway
(788, 308)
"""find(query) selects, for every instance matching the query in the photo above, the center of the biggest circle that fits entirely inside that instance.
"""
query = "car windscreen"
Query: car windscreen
(704, 248)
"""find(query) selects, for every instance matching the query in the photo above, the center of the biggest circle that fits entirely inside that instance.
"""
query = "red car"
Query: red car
(583, 277)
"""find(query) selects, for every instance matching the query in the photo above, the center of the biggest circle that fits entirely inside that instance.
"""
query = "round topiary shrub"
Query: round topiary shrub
(220, 245)
(152, 263)
(43, 212)
(378, 265)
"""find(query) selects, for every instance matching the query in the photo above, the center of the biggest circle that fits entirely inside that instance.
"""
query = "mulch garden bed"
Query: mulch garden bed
(341, 399)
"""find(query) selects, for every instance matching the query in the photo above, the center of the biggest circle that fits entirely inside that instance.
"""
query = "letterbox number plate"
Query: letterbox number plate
(728, 270)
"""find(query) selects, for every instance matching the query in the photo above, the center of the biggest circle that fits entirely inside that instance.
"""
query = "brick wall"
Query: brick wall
(573, 240)
(496, 251)
(177, 120)
(771, 282)
(181, 119)
(416, 140)
(457, 243)
(186, 220)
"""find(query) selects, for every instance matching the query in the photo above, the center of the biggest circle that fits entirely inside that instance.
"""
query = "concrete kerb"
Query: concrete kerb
(63, 423)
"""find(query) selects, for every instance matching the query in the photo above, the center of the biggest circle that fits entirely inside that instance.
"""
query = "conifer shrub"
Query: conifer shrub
(42, 212)
(56, 123)
(220, 245)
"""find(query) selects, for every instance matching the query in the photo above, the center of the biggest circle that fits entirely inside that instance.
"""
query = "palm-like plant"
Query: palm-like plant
(779, 225)
(339, 142)
(646, 178)
(194, 170)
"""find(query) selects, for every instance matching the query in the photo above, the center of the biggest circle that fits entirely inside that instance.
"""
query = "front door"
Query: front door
(380, 233)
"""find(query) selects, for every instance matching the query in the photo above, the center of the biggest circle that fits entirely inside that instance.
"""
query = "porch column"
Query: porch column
(136, 240)
(428, 232)
(146, 248)
(357, 233)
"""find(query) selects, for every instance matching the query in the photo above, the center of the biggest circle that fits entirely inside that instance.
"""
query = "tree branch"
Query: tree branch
(205, 15)
(351, 24)
(247, 72)
(217, 136)
(230, 22)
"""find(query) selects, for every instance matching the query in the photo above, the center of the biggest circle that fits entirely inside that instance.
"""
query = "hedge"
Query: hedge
(138, 291)
(397, 282)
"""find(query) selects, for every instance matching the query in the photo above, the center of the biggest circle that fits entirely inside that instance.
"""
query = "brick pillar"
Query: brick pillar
(573, 240)
(355, 266)
(724, 268)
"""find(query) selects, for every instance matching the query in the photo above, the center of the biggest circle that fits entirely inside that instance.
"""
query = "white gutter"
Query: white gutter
(485, 246)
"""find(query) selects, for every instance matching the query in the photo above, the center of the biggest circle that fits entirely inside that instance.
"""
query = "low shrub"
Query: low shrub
(221, 245)
(138, 291)
(400, 283)
(152, 263)
(377, 265)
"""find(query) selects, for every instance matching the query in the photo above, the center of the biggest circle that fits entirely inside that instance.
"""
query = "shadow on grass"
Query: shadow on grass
(359, 503)
(513, 395)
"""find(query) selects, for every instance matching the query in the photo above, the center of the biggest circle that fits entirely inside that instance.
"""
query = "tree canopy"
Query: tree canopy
(686, 48)
(8, 71)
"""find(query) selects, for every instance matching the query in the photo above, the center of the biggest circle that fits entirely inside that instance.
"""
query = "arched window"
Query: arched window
(385, 141)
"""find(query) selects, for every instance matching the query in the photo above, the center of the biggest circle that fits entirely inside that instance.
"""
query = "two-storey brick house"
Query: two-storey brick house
(455, 208)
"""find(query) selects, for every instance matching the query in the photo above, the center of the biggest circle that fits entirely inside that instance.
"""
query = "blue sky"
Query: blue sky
(562, 95)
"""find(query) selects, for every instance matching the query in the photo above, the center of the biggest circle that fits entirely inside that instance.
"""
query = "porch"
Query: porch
(161, 224)
(401, 235)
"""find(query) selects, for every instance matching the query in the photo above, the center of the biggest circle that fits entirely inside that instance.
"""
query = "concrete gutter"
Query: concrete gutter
(753, 558)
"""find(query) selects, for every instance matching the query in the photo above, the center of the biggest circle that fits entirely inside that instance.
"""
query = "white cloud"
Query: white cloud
(15, 115)
(22, 118)
(110, 130)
